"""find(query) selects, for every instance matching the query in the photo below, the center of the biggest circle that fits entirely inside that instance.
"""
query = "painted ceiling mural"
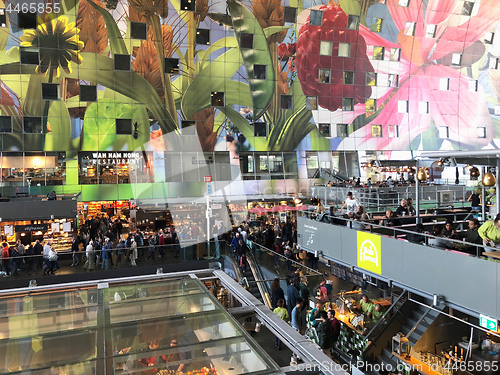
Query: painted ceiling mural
(264, 75)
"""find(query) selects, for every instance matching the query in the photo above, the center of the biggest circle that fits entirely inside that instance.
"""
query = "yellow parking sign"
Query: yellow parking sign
(369, 252)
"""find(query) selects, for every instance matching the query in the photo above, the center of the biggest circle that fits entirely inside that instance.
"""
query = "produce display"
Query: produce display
(202, 371)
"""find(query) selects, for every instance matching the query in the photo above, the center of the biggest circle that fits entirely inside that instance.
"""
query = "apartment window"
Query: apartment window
(189, 5)
(344, 49)
(348, 78)
(32, 125)
(290, 14)
(342, 130)
(395, 54)
(467, 8)
(324, 130)
(393, 80)
(493, 63)
(430, 31)
(88, 93)
(202, 36)
(3, 18)
(371, 105)
(473, 85)
(188, 127)
(443, 132)
(50, 91)
(488, 38)
(286, 102)
(376, 25)
(122, 62)
(123, 126)
(409, 29)
(481, 132)
(423, 108)
(371, 79)
(352, 22)
(393, 131)
(139, 30)
(29, 56)
(378, 53)
(497, 110)
(324, 76)
(404, 3)
(171, 65)
(259, 129)
(26, 20)
(316, 17)
(402, 106)
(246, 40)
(444, 84)
(325, 48)
(456, 59)
(347, 104)
(5, 124)
(259, 71)
(376, 131)
(311, 102)
(217, 99)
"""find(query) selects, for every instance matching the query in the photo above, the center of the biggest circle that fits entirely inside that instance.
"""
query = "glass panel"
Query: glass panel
(353, 22)
(371, 79)
(393, 131)
(325, 48)
(316, 18)
(344, 49)
(378, 53)
(376, 25)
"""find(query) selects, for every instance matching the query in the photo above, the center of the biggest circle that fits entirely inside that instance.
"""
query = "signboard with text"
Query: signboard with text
(207, 178)
(369, 252)
(488, 323)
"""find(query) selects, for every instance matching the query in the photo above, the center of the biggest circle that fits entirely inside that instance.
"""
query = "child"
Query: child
(283, 314)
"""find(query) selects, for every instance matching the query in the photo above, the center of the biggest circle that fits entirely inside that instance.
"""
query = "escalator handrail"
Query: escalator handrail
(257, 274)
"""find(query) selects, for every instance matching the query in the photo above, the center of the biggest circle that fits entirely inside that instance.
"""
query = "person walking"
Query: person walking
(152, 248)
(89, 253)
(74, 250)
(30, 264)
(277, 293)
(133, 253)
(292, 294)
(52, 259)
(38, 251)
(283, 314)
(6, 259)
(120, 251)
(106, 253)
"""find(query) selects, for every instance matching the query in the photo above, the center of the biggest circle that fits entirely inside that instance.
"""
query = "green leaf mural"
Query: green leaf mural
(262, 90)
(115, 37)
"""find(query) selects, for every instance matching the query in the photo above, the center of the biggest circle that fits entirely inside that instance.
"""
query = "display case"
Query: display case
(156, 327)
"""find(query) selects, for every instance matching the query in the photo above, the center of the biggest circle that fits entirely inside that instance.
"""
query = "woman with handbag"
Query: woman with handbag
(52, 260)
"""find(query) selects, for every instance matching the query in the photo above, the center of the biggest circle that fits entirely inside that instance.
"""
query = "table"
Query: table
(492, 254)
(422, 367)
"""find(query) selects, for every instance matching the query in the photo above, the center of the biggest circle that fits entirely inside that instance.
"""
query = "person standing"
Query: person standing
(277, 293)
(296, 315)
(89, 253)
(351, 204)
(283, 314)
(490, 233)
(120, 251)
(152, 248)
(335, 326)
(106, 253)
(74, 250)
(292, 294)
(30, 265)
(324, 331)
(46, 252)
(38, 251)
(475, 200)
(52, 259)
(133, 253)
(6, 259)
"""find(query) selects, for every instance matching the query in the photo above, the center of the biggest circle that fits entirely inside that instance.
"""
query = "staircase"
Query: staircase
(254, 289)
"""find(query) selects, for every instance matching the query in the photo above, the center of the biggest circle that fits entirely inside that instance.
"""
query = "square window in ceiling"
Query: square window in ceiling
(188, 127)
(493, 63)
(376, 131)
(443, 132)
(371, 79)
(139, 30)
(50, 91)
(123, 126)
(171, 65)
(290, 14)
(32, 125)
(481, 132)
(348, 78)
(430, 31)
(342, 130)
(347, 104)
(392, 131)
(456, 59)
(444, 84)
(378, 53)
(29, 56)
(473, 85)
(5, 124)
(371, 106)
(395, 54)
(203, 36)
(286, 102)
(488, 38)
(259, 129)
(467, 8)
(316, 17)
(312, 102)
(325, 48)
(122, 62)
(352, 22)
(259, 71)
(404, 3)
(324, 76)
(217, 99)
(26, 20)
(409, 29)
(324, 130)
(88, 93)
(246, 40)
(423, 108)
(188, 5)
(3, 18)
(376, 25)
(393, 80)
(344, 49)
(402, 106)
(497, 110)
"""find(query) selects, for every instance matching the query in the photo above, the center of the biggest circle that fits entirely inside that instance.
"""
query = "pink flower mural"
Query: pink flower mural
(437, 40)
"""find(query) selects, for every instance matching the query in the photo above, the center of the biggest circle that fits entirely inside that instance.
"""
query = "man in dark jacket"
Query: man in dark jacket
(471, 236)
(292, 294)
(324, 331)
(38, 250)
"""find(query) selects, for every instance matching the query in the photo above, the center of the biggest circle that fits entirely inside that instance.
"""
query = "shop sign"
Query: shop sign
(488, 323)
(216, 206)
(110, 158)
(369, 252)
(207, 178)
(32, 228)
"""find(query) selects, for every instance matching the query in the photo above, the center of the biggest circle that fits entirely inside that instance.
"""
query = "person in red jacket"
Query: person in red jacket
(6, 258)
(335, 325)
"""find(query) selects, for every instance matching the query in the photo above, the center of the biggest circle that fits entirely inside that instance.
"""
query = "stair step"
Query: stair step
(412, 321)
(386, 352)
(383, 359)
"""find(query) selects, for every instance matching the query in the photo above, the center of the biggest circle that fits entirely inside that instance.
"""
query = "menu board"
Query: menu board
(67, 226)
(344, 273)
(8, 230)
